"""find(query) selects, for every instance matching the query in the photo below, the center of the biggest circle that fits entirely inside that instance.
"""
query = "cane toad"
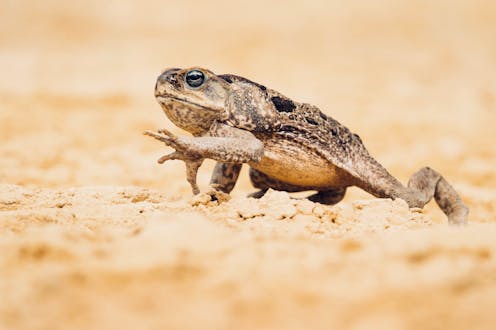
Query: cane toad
(288, 145)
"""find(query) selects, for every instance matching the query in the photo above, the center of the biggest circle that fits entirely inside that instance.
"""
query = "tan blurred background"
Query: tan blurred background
(415, 79)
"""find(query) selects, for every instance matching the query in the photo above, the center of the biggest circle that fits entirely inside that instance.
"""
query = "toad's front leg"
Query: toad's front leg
(193, 150)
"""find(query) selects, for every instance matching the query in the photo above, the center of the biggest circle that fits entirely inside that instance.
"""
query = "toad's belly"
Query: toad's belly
(291, 163)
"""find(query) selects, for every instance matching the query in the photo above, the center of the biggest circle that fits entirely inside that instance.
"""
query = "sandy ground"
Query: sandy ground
(95, 235)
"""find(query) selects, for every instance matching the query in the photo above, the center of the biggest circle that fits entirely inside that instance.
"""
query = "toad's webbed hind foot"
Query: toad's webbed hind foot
(427, 183)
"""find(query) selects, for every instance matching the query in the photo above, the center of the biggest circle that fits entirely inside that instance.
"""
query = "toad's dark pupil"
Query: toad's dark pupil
(195, 78)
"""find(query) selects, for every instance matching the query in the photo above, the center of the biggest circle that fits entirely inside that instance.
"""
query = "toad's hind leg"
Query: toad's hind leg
(422, 186)
(328, 197)
(264, 182)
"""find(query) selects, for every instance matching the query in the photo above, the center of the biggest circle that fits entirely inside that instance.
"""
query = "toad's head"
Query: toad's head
(192, 98)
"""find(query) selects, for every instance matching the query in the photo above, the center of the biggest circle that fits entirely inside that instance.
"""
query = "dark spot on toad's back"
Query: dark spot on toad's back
(310, 120)
(227, 78)
(282, 104)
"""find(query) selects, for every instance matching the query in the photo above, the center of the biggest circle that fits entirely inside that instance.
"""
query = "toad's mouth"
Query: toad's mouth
(166, 100)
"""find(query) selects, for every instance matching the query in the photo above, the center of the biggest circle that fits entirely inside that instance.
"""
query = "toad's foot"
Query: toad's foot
(190, 159)
(427, 183)
(237, 147)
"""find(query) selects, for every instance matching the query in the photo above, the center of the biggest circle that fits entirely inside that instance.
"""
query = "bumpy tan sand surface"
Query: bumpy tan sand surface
(95, 235)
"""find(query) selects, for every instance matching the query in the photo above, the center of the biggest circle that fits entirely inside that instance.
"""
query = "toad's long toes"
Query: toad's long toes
(163, 131)
(158, 136)
(168, 140)
(172, 156)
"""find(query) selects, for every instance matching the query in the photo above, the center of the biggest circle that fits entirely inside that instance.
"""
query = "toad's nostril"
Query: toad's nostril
(169, 76)
(172, 78)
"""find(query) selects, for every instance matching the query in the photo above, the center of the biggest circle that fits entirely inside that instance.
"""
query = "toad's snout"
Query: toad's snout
(168, 77)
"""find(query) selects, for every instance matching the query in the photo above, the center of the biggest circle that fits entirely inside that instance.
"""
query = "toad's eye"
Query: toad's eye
(195, 78)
